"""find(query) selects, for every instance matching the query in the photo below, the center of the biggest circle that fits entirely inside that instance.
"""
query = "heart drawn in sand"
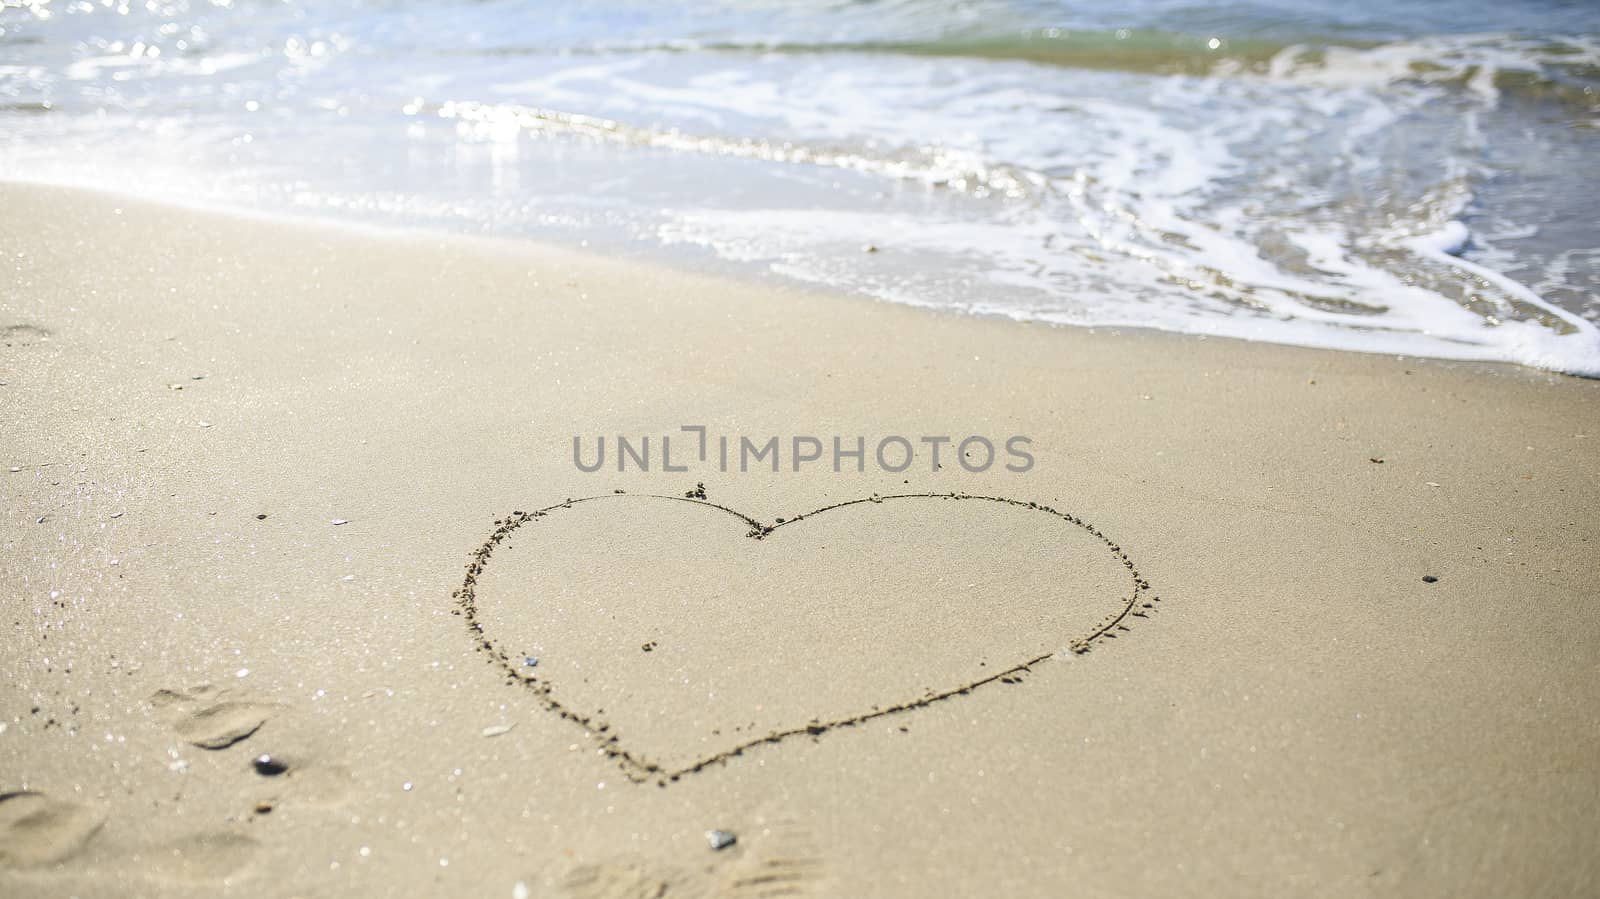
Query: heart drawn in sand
(679, 633)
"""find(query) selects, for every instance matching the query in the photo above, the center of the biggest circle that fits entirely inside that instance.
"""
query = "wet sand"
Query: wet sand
(275, 489)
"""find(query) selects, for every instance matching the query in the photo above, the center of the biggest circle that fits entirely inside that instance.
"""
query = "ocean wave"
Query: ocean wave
(1330, 181)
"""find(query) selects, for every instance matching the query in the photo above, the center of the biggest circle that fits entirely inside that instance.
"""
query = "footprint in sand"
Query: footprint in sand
(208, 718)
(771, 861)
(631, 879)
(202, 859)
(783, 861)
(23, 335)
(36, 830)
(215, 718)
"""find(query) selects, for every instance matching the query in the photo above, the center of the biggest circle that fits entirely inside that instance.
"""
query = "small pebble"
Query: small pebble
(341, 521)
(263, 808)
(1429, 579)
(530, 661)
(721, 839)
(116, 514)
(267, 766)
(495, 730)
(261, 516)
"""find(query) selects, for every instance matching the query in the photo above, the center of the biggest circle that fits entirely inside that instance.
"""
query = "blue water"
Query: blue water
(1399, 177)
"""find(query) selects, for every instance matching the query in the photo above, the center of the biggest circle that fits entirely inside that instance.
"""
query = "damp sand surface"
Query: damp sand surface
(345, 545)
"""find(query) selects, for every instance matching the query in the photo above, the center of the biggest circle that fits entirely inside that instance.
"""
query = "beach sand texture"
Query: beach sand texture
(880, 698)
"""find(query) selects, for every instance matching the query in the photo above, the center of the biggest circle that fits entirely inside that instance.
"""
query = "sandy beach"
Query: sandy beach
(1256, 621)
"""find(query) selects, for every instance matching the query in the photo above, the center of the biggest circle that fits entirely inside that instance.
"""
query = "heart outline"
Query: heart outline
(639, 769)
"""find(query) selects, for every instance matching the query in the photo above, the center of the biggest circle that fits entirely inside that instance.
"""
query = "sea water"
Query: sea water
(1379, 175)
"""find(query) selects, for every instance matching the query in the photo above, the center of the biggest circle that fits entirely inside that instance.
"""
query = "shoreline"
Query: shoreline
(712, 268)
(250, 464)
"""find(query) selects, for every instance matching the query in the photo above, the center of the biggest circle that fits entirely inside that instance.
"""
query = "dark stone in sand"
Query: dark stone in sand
(267, 766)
